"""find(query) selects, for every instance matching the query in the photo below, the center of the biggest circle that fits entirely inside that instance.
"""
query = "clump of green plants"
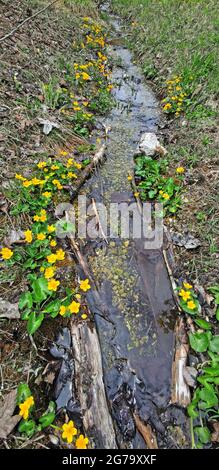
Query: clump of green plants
(39, 254)
(154, 182)
(54, 96)
(204, 405)
(179, 90)
(31, 423)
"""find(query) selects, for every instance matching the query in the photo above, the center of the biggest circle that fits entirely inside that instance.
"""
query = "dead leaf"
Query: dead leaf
(187, 240)
(190, 374)
(7, 420)
(3, 204)
(48, 125)
(215, 435)
(8, 310)
(14, 237)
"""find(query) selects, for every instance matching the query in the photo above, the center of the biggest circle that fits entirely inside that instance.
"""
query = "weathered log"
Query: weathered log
(90, 388)
(180, 390)
(146, 432)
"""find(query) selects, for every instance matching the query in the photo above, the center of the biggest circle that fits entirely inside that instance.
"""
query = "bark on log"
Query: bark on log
(89, 384)
(180, 390)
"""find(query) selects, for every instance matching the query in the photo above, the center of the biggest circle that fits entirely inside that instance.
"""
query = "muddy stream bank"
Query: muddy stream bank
(134, 312)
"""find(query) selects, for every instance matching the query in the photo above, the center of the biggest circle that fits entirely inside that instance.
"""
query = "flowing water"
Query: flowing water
(135, 331)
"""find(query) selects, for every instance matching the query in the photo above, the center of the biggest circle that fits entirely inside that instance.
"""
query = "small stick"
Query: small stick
(98, 220)
(97, 159)
(146, 432)
(25, 21)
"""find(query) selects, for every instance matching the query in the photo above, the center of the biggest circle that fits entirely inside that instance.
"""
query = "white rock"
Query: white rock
(150, 145)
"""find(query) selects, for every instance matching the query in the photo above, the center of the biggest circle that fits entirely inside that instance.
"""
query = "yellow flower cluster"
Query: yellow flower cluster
(187, 296)
(175, 99)
(69, 431)
(74, 307)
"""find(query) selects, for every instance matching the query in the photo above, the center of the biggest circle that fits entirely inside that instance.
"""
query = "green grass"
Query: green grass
(179, 38)
(176, 37)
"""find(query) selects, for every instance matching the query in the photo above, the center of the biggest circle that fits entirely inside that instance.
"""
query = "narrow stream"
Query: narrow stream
(134, 310)
(135, 332)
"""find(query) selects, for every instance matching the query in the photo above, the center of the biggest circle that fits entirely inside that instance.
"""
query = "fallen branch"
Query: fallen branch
(97, 421)
(98, 220)
(86, 173)
(146, 432)
(180, 389)
(26, 20)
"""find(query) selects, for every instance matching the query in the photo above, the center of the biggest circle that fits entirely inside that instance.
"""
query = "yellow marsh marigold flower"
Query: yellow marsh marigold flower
(19, 177)
(187, 285)
(27, 183)
(180, 169)
(28, 236)
(191, 305)
(74, 307)
(71, 175)
(75, 103)
(77, 165)
(166, 196)
(78, 296)
(76, 108)
(36, 181)
(51, 228)
(129, 178)
(41, 164)
(77, 76)
(49, 272)
(25, 407)
(84, 316)
(43, 218)
(53, 284)
(6, 253)
(47, 194)
(167, 106)
(41, 236)
(60, 255)
(70, 162)
(53, 243)
(51, 258)
(69, 431)
(85, 76)
(184, 294)
(81, 442)
(63, 153)
(85, 285)
(36, 218)
(54, 167)
(62, 310)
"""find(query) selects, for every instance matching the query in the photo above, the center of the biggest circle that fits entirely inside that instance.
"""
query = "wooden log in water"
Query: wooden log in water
(89, 384)
(180, 389)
